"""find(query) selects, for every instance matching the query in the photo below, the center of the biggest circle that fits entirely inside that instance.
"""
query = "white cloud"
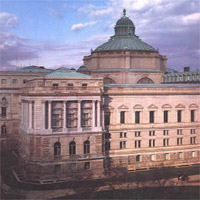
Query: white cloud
(82, 25)
(7, 20)
(192, 18)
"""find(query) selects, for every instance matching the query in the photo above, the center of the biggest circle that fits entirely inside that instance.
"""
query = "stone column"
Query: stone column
(79, 115)
(49, 115)
(30, 114)
(93, 114)
(22, 114)
(98, 113)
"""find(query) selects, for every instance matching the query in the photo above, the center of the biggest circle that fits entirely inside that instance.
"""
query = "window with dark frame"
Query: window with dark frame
(166, 142)
(87, 165)
(179, 115)
(3, 130)
(192, 115)
(166, 116)
(137, 143)
(72, 148)
(137, 117)
(179, 141)
(86, 147)
(192, 140)
(123, 145)
(151, 116)
(3, 112)
(46, 115)
(107, 118)
(57, 149)
(122, 117)
(138, 158)
(152, 143)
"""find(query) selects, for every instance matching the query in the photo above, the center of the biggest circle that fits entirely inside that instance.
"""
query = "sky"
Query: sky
(58, 33)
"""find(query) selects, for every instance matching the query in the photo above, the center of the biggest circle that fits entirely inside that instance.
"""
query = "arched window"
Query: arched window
(72, 148)
(86, 147)
(108, 81)
(145, 81)
(3, 130)
(57, 149)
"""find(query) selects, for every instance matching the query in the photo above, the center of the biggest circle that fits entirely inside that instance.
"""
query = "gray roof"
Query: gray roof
(33, 69)
(66, 73)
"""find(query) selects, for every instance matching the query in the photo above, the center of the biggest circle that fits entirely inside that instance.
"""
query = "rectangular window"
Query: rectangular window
(137, 143)
(46, 115)
(179, 131)
(179, 141)
(107, 146)
(151, 117)
(87, 165)
(166, 142)
(123, 145)
(192, 131)
(165, 132)
(14, 81)
(137, 117)
(84, 85)
(122, 117)
(138, 158)
(166, 116)
(137, 133)
(180, 155)
(192, 140)
(122, 134)
(55, 86)
(151, 143)
(70, 85)
(3, 112)
(166, 156)
(194, 154)
(192, 115)
(152, 157)
(107, 119)
(179, 115)
(151, 133)
(85, 119)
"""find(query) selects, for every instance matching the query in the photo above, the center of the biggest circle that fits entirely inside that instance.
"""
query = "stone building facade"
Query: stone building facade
(117, 109)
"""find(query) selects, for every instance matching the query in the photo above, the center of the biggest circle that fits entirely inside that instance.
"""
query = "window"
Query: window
(57, 149)
(57, 168)
(165, 132)
(151, 133)
(180, 155)
(166, 156)
(72, 167)
(123, 145)
(3, 112)
(138, 158)
(194, 153)
(123, 134)
(179, 131)
(122, 117)
(137, 133)
(46, 115)
(192, 140)
(84, 85)
(179, 115)
(3, 130)
(151, 143)
(70, 85)
(152, 157)
(137, 143)
(137, 117)
(192, 115)
(166, 116)
(14, 81)
(107, 146)
(86, 147)
(87, 165)
(85, 119)
(179, 141)
(3, 81)
(24, 81)
(72, 148)
(192, 131)
(151, 117)
(166, 142)
(107, 119)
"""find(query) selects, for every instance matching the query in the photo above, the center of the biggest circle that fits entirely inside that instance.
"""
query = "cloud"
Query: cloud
(8, 21)
(55, 13)
(78, 27)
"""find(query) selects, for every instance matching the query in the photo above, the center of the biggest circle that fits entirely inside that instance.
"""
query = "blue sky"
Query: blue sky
(55, 33)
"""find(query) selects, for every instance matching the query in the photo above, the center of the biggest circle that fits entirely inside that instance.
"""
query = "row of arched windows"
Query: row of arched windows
(72, 148)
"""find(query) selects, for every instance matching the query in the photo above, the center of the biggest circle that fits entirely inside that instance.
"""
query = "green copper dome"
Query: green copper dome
(124, 38)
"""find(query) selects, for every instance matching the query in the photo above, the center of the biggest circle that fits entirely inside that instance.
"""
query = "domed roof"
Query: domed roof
(124, 38)
(124, 21)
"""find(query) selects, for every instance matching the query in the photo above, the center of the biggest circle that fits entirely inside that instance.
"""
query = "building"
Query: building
(115, 110)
